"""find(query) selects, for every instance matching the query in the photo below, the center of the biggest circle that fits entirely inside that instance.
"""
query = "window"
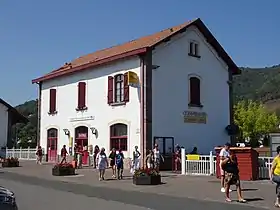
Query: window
(118, 89)
(118, 136)
(52, 138)
(52, 106)
(194, 84)
(194, 49)
(81, 96)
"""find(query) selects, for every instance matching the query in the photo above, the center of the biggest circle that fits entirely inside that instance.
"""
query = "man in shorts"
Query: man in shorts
(224, 153)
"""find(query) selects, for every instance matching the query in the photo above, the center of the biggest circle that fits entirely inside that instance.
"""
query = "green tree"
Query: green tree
(253, 120)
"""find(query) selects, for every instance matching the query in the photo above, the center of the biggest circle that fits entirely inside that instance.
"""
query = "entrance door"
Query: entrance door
(81, 139)
(166, 148)
(52, 144)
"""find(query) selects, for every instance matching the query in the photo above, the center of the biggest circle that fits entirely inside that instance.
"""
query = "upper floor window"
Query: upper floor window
(194, 49)
(52, 105)
(81, 96)
(194, 98)
(118, 89)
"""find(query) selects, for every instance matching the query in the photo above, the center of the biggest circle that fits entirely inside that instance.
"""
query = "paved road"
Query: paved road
(34, 193)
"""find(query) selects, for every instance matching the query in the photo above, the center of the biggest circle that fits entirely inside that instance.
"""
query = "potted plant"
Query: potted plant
(64, 169)
(146, 177)
(10, 162)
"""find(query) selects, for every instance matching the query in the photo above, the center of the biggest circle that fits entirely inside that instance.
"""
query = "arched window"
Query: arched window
(194, 84)
(81, 136)
(119, 88)
(118, 136)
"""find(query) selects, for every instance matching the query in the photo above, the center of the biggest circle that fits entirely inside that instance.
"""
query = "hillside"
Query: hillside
(261, 84)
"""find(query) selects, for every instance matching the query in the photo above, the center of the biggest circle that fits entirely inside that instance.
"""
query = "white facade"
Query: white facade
(171, 93)
(101, 113)
(3, 125)
(170, 98)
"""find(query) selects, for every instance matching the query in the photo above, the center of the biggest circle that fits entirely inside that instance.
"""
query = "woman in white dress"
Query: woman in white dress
(136, 159)
(157, 157)
(102, 163)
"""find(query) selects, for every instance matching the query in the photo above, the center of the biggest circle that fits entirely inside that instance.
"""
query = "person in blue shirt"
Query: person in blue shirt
(119, 163)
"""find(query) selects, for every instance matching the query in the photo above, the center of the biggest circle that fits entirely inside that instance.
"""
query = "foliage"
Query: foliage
(253, 119)
(146, 172)
(10, 162)
(261, 85)
(26, 133)
(63, 166)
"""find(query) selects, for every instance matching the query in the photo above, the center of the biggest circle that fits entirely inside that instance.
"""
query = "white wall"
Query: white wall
(170, 93)
(96, 101)
(3, 125)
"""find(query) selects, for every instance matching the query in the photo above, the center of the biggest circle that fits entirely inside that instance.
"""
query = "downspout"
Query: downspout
(142, 102)
(39, 113)
(231, 114)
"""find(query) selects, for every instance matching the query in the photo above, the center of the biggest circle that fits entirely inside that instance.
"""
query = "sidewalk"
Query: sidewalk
(259, 193)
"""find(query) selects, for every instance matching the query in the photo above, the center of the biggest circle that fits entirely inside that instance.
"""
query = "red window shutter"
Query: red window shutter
(110, 96)
(52, 100)
(194, 91)
(126, 88)
(81, 95)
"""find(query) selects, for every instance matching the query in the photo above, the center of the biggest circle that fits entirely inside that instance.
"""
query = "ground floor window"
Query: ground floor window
(118, 136)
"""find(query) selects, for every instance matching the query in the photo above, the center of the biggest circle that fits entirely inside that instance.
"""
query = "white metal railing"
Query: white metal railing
(206, 165)
(22, 154)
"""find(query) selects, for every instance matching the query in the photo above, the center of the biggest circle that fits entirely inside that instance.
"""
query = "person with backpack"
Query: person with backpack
(119, 164)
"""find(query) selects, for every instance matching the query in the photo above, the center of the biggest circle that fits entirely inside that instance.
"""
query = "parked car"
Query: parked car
(7, 199)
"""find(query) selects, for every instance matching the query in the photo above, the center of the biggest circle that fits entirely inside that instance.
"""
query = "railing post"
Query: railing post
(28, 153)
(183, 161)
(7, 152)
(211, 159)
(13, 152)
(20, 153)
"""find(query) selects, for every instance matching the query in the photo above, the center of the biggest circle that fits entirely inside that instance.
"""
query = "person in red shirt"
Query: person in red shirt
(63, 154)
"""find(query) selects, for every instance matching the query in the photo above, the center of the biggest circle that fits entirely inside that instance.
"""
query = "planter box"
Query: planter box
(147, 180)
(63, 171)
(9, 165)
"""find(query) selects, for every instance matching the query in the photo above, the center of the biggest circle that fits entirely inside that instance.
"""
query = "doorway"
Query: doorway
(166, 148)
(52, 144)
(81, 139)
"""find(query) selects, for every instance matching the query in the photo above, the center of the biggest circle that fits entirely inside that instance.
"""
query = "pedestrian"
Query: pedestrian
(230, 167)
(63, 154)
(112, 157)
(95, 153)
(136, 159)
(80, 156)
(177, 158)
(275, 176)
(102, 163)
(224, 154)
(39, 154)
(157, 157)
(120, 163)
(150, 160)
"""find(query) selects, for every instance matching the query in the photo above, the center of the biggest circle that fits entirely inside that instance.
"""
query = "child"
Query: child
(119, 164)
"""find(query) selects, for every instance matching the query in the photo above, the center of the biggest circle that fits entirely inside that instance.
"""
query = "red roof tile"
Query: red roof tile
(131, 48)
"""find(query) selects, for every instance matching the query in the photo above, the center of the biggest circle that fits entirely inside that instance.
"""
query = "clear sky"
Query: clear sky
(39, 36)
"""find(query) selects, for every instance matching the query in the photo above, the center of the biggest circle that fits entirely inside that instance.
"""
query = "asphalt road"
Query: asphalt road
(39, 194)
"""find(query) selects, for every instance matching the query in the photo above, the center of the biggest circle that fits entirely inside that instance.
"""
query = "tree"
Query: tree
(253, 120)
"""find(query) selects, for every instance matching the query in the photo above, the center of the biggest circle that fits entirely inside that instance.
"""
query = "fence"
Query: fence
(22, 154)
(206, 165)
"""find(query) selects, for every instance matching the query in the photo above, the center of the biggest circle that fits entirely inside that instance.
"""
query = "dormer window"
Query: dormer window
(194, 49)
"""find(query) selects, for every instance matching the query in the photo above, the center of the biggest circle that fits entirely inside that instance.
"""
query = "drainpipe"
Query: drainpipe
(142, 102)
(39, 112)
(230, 89)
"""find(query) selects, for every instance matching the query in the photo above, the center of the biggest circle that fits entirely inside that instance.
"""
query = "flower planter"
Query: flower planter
(62, 171)
(10, 164)
(147, 180)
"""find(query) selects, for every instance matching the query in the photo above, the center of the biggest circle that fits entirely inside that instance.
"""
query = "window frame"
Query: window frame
(193, 102)
(119, 140)
(117, 90)
(194, 49)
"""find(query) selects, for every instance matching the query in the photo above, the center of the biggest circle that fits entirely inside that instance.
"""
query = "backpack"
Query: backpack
(119, 159)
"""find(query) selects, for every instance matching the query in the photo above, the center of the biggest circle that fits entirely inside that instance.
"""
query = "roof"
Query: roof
(137, 47)
(16, 116)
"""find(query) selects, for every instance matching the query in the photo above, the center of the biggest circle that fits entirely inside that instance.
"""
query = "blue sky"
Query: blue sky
(39, 36)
